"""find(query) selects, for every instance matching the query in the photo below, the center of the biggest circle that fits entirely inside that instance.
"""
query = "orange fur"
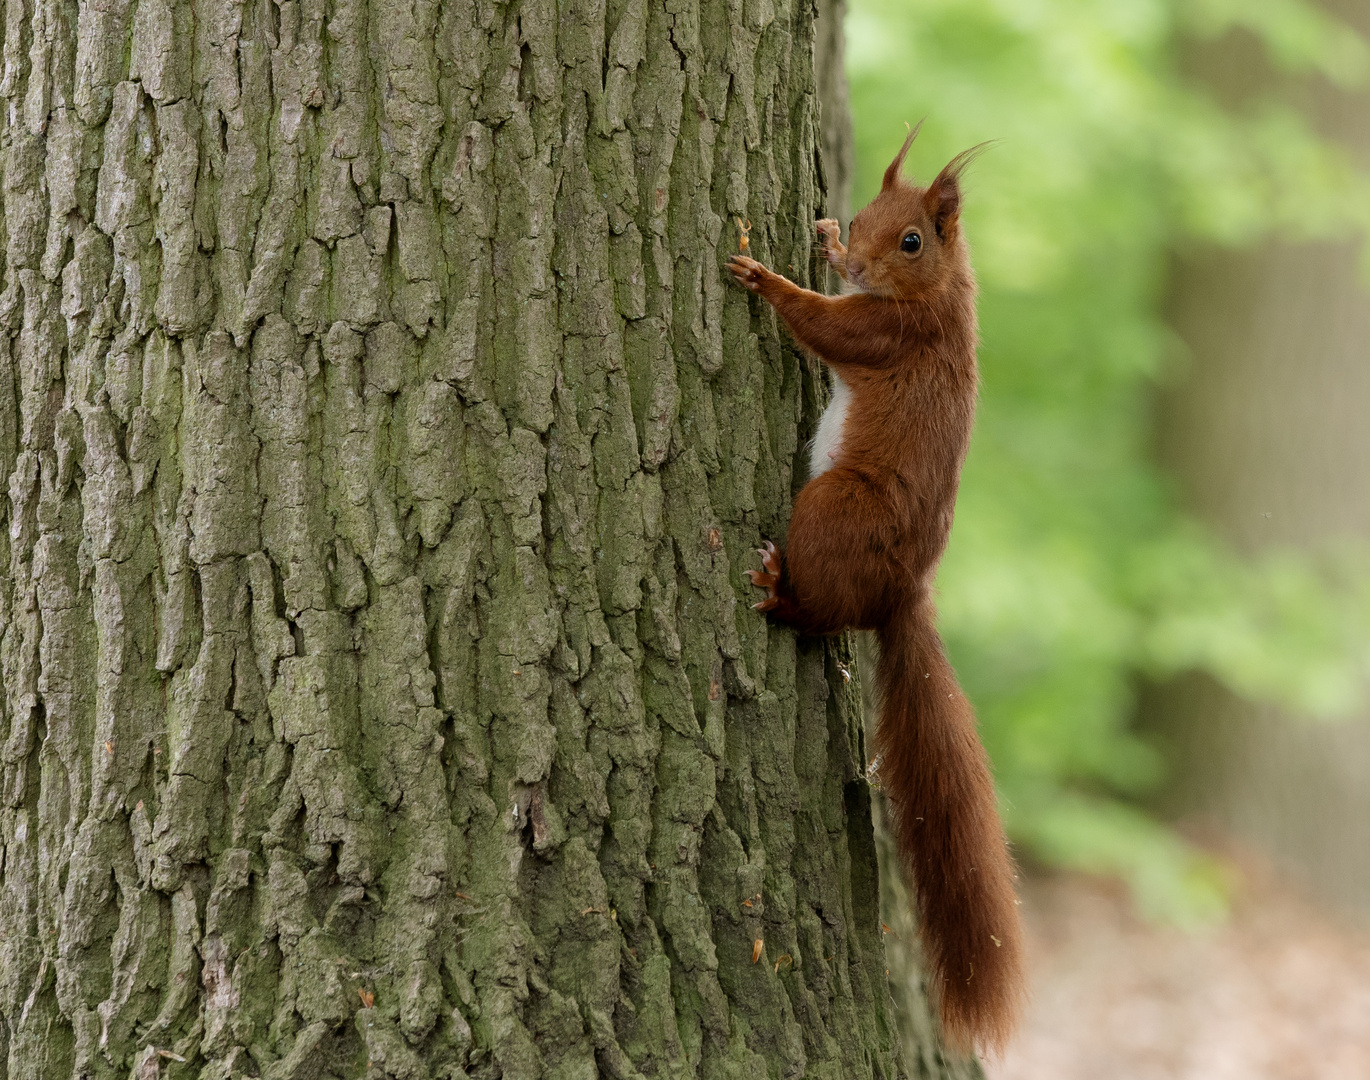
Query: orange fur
(864, 542)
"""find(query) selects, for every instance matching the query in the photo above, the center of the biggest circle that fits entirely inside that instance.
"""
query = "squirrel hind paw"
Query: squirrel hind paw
(767, 578)
(763, 580)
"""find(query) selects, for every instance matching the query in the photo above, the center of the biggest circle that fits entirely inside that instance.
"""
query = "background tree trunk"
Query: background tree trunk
(384, 452)
(1268, 436)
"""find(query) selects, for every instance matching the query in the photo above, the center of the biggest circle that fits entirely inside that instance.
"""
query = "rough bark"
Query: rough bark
(830, 75)
(383, 453)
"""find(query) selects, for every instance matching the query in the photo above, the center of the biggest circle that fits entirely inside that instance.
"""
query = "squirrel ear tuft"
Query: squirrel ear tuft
(896, 166)
(942, 200)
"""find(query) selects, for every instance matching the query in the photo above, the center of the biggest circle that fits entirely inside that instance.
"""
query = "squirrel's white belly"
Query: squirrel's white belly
(828, 442)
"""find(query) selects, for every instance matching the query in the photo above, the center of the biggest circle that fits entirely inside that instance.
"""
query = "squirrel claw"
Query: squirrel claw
(763, 580)
(748, 273)
(830, 232)
(767, 578)
(770, 557)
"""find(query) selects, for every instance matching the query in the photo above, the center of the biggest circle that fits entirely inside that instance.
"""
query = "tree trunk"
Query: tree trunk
(830, 74)
(384, 451)
(1267, 434)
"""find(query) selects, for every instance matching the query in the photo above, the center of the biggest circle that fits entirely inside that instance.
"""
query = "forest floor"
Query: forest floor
(1281, 991)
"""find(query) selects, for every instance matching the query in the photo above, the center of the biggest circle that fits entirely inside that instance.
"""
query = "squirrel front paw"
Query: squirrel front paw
(830, 233)
(748, 273)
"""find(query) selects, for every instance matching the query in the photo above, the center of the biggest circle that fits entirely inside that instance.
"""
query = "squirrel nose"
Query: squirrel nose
(855, 264)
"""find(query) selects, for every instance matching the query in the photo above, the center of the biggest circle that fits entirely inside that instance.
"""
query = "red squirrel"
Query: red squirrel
(865, 538)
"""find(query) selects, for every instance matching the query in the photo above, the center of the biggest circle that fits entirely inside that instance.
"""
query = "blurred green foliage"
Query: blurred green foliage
(1072, 571)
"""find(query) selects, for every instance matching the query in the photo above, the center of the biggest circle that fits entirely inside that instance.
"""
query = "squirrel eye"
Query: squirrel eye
(912, 242)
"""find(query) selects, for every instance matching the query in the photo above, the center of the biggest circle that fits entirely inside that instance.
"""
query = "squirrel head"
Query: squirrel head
(908, 241)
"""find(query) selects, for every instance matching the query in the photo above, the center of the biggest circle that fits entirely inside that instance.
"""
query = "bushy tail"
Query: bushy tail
(941, 798)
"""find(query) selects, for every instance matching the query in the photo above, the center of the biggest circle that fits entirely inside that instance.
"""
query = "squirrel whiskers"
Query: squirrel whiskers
(864, 541)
